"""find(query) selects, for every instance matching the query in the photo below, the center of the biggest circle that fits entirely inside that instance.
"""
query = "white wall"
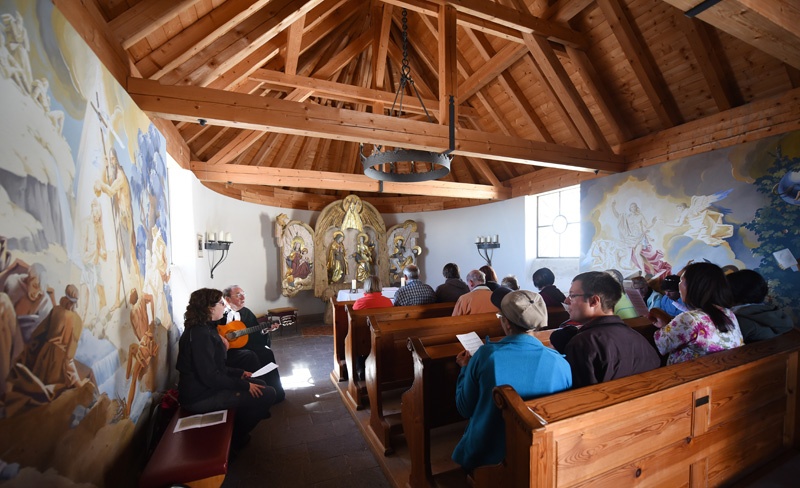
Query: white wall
(253, 262)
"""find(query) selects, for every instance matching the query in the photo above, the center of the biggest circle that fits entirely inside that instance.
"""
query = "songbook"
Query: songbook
(637, 301)
(266, 369)
(471, 342)
(201, 420)
(786, 259)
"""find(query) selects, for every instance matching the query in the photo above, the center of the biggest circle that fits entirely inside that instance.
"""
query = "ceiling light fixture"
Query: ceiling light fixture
(382, 164)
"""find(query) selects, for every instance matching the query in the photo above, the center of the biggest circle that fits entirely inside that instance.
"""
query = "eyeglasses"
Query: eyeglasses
(220, 303)
(240, 295)
(499, 315)
(575, 295)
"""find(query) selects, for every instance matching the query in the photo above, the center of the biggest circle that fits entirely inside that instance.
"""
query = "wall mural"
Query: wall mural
(736, 206)
(86, 329)
(296, 243)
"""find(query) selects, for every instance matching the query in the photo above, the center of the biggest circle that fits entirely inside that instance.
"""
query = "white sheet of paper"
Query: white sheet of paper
(471, 341)
(266, 369)
(785, 258)
(201, 420)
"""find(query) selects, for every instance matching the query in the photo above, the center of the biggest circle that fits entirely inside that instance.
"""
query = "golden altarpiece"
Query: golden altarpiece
(350, 242)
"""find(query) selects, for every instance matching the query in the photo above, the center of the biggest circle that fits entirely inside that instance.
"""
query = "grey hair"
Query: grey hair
(227, 291)
(411, 272)
(477, 276)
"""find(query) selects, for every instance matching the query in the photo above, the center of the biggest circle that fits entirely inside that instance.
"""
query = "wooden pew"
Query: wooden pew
(431, 400)
(703, 422)
(357, 341)
(556, 316)
(339, 372)
(390, 365)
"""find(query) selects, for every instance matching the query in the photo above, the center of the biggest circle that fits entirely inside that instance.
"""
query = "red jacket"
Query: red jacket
(372, 300)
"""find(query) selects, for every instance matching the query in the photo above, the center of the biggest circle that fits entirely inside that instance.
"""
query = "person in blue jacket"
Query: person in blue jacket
(519, 360)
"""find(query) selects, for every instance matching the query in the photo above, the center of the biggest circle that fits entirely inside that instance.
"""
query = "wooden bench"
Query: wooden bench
(431, 400)
(339, 372)
(390, 365)
(556, 316)
(703, 422)
(357, 341)
(195, 457)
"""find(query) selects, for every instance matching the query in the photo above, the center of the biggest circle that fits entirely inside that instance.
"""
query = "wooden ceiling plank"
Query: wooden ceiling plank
(511, 18)
(769, 26)
(253, 112)
(293, 178)
(448, 75)
(602, 96)
(565, 10)
(756, 120)
(200, 151)
(234, 77)
(192, 131)
(293, 41)
(243, 141)
(380, 47)
(508, 55)
(641, 60)
(511, 87)
(709, 62)
(484, 169)
(566, 92)
(197, 37)
(144, 18)
(275, 16)
(267, 150)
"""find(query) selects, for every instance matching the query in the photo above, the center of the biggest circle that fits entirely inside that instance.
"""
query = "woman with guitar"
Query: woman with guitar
(249, 340)
(206, 384)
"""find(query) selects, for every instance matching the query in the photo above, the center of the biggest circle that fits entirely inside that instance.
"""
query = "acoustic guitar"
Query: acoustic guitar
(237, 334)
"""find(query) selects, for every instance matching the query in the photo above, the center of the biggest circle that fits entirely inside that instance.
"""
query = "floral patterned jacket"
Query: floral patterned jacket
(693, 334)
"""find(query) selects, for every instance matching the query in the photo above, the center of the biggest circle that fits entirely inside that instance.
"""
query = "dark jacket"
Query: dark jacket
(552, 296)
(605, 348)
(759, 321)
(201, 364)
(451, 289)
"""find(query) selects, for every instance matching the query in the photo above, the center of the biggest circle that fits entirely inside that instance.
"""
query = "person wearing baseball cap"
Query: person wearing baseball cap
(519, 360)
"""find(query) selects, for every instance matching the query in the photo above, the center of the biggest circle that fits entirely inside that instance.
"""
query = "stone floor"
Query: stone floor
(311, 439)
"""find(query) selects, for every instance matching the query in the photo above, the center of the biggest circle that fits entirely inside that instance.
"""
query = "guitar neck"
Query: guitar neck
(250, 330)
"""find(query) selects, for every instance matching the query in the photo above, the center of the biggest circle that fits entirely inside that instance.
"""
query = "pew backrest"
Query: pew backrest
(696, 423)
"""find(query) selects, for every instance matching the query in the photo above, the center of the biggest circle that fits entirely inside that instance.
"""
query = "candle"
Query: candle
(496, 238)
(353, 285)
(211, 237)
(228, 237)
(403, 281)
(478, 240)
(221, 235)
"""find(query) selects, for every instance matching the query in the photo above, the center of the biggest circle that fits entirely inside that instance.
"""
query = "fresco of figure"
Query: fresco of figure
(46, 367)
(634, 232)
(363, 257)
(705, 224)
(337, 263)
(299, 268)
(140, 354)
(93, 291)
(18, 45)
(31, 296)
(115, 184)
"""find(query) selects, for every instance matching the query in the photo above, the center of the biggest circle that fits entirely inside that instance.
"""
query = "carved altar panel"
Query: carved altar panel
(402, 249)
(296, 242)
(349, 245)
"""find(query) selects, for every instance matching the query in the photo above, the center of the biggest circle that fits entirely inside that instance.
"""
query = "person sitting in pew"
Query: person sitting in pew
(603, 347)
(490, 277)
(511, 283)
(519, 360)
(414, 292)
(205, 383)
(453, 286)
(373, 298)
(544, 281)
(478, 300)
(757, 319)
(624, 308)
(709, 325)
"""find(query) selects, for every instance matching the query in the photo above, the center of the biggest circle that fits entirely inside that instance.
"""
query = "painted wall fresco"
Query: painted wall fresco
(736, 206)
(86, 329)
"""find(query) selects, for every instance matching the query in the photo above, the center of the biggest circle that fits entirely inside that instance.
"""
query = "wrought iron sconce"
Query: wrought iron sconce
(217, 242)
(486, 246)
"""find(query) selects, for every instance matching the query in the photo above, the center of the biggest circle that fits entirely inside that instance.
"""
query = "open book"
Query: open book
(201, 420)
(471, 342)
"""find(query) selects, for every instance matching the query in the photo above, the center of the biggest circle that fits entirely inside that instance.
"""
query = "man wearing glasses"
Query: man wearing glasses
(602, 347)
(258, 342)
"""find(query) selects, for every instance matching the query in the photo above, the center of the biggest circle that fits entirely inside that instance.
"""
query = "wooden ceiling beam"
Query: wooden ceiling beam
(256, 113)
(508, 55)
(769, 26)
(710, 63)
(275, 17)
(566, 92)
(243, 141)
(497, 19)
(448, 71)
(642, 63)
(144, 18)
(293, 178)
(294, 40)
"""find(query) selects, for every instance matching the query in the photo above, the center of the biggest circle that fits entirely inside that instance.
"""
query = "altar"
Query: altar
(345, 295)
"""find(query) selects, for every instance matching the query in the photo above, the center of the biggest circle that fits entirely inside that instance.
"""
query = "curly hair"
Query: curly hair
(708, 289)
(198, 311)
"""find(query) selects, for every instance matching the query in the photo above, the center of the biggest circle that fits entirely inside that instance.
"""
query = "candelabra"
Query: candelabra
(214, 243)
(486, 246)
